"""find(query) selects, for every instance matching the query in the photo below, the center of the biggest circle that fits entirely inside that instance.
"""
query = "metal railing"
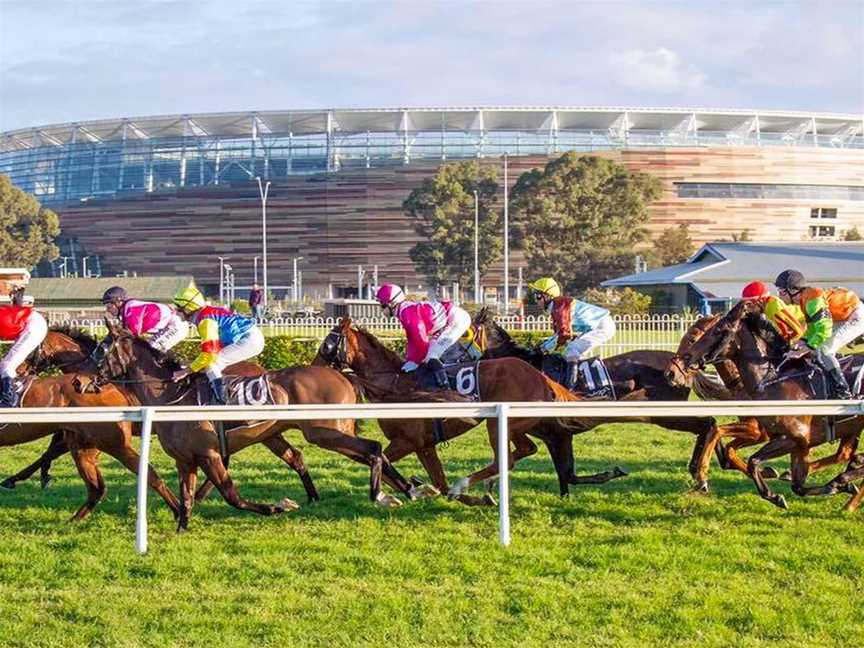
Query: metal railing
(657, 332)
(502, 411)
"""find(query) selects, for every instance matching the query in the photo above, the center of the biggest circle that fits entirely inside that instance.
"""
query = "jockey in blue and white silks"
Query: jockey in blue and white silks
(578, 326)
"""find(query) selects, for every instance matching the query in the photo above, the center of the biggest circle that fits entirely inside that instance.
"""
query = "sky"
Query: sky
(77, 60)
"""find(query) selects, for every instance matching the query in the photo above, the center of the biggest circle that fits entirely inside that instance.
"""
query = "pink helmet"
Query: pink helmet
(390, 295)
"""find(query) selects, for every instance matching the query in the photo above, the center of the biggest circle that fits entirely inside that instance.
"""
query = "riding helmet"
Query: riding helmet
(115, 294)
(790, 280)
(755, 290)
(547, 286)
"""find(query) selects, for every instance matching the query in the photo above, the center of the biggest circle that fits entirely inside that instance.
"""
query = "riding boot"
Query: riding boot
(572, 375)
(7, 392)
(839, 385)
(438, 370)
(217, 392)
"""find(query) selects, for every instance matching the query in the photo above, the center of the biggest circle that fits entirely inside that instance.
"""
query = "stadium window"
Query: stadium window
(823, 212)
(822, 231)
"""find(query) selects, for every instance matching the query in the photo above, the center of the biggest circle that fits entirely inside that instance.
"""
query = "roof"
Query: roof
(79, 292)
(721, 269)
(793, 127)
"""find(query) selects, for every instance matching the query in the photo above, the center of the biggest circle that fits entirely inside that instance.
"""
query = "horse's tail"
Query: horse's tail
(711, 387)
(559, 392)
(359, 390)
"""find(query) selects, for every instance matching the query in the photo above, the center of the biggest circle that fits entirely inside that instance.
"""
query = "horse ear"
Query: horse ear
(113, 326)
(345, 322)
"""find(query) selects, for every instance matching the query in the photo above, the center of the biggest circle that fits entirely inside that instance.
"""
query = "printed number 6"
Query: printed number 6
(465, 381)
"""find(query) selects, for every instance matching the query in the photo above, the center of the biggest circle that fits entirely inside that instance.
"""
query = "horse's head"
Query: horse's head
(678, 373)
(63, 348)
(334, 350)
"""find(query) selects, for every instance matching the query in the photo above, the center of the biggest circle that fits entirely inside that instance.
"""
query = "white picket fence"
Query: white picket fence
(502, 411)
(658, 332)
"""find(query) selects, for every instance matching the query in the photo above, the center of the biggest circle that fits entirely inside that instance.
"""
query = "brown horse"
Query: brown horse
(742, 338)
(504, 379)
(636, 375)
(194, 445)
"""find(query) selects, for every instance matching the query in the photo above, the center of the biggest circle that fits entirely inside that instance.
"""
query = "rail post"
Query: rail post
(143, 468)
(503, 475)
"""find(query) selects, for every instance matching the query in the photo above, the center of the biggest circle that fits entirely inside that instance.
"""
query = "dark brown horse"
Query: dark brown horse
(501, 380)
(742, 338)
(636, 375)
(195, 445)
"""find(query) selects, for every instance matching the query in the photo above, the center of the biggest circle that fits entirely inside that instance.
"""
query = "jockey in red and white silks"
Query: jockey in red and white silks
(431, 326)
(159, 325)
(26, 329)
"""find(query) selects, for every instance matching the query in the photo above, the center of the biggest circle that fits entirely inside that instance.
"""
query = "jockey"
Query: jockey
(431, 327)
(834, 318)
(23, 326)
(159, 325)
(226, 338)
(787, 319)
(593, 324)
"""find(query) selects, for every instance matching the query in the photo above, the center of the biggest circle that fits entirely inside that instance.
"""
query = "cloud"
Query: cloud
(657, 70)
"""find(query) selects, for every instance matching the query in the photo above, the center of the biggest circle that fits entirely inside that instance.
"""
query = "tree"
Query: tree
(443, 212)
(852, 234)
(619, 301)
(27, 230)
(579, 219)
(741, 237)
(674, 245)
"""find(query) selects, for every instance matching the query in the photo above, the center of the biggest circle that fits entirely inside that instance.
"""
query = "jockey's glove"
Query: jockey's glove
(409, 366)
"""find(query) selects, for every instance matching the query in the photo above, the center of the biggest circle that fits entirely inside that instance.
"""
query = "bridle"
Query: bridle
(334, 349)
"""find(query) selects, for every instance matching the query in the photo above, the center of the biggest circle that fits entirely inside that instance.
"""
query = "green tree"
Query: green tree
(579, 219)
(674, 245)
(27, 230)
(852, 234)
(619, 301)
(741, 237)
(442, 209)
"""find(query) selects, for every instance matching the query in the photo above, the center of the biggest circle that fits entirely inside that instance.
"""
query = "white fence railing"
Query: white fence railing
(502, 411)
(658, 332)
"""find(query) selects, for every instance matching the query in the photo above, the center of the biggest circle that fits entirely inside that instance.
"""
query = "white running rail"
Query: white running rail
(502, 411)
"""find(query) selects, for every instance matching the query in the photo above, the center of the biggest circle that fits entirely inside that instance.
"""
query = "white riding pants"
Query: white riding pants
(458, 321)
(603, 332)
(846, 331)
(31, 337)
(174, 332)
(249, 347)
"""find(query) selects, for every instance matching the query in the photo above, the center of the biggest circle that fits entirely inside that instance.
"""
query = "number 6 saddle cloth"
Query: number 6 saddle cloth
(593, 380)
(462, 377)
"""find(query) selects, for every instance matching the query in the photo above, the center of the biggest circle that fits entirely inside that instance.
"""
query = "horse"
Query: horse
(505, 379)
(636, 375)
(742, 338)
(195, 445)
(71, 351)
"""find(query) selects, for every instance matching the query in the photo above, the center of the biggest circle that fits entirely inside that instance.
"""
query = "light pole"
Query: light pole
(84, 266)
(506, 244)
(255, 269)
(222, 279)
(263, 191)
(476, 247)
(295, 287)
(228, 296)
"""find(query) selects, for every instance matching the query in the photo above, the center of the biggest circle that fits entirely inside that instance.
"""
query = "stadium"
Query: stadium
(171, 194)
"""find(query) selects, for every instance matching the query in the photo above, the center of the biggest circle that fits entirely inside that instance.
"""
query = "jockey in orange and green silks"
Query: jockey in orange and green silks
(787, 319)
(834, 318)
(226, 338)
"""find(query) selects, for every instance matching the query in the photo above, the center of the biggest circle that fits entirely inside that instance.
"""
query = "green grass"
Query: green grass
(632, 563)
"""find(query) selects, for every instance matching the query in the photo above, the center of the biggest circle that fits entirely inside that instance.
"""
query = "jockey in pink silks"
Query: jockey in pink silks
(159, 325)
(431, 327)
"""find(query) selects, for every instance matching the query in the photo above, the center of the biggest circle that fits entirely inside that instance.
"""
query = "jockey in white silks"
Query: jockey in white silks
(431, 327)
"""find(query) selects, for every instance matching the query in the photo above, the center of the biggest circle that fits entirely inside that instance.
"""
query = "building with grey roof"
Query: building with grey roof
(716, 273)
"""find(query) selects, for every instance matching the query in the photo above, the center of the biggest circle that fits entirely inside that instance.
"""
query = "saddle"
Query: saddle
(462, 377)
(806, 367)
(240, 390)
(593, 382)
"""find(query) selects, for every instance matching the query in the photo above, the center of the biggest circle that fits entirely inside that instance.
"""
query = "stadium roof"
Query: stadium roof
(722, 269)
(795, 127)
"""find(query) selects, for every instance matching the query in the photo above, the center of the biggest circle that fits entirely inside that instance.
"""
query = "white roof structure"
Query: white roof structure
(817, 129)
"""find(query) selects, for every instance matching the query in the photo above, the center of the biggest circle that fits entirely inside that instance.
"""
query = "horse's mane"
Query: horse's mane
(167, 360)
(499, 343)
(81, 337)
(378, 346)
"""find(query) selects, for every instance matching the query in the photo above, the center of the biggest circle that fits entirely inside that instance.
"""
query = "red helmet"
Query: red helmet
(755, 290)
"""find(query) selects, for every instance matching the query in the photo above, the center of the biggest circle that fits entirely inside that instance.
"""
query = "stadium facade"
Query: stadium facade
(169, 195)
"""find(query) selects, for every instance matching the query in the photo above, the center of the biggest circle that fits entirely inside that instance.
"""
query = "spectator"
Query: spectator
(256, 301)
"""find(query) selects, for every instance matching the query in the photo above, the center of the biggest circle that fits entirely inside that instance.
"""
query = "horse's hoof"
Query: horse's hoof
(459, 488)
(415, 480)
(780, 502)
(769, 472)
(700, 488)
(385, 500)
(287, 505)
(619, 472)
(785, 476)
(423, 491)
(849, 488)
(488, 500)
(491, 484)
(8, 484)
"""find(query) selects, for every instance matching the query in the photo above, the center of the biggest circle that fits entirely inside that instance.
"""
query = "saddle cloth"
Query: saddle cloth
(852, 366)
(240, 390)
(593, 380)
(462, 377)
